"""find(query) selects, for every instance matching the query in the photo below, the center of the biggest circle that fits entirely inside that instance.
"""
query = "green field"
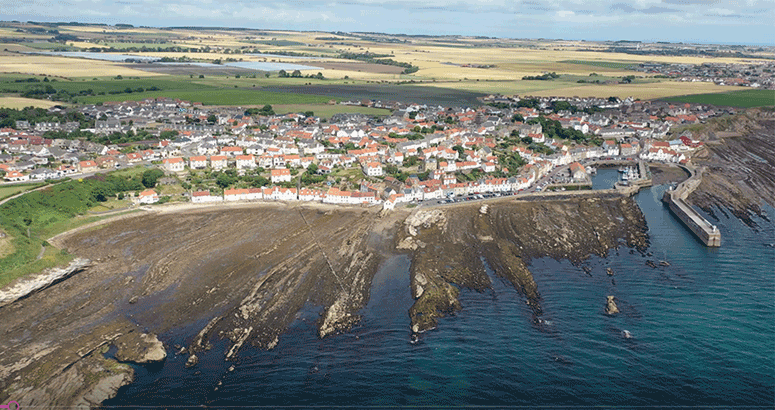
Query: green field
(741, 99)
(326, 111)
(210, 91)
(11, 190)
(604, 64)
(215, 97)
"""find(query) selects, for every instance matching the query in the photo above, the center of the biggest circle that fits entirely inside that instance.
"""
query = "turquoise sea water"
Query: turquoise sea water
(701, 335)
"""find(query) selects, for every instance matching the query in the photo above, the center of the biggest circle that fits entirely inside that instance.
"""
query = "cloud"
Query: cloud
(663, 20)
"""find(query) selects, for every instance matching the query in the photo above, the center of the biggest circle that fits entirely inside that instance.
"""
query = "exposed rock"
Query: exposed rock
(424, 219)
(609, 271)
(192, 361)
(464, 242)
(34, 283)
(105, 389)
(610, 306)
(140, 348)
(738, 156)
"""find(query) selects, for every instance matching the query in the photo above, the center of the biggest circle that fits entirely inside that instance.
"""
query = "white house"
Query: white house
(197, 162)
(149, 196)
(281, 175)
(174, 164)
(373, 169)
(246, 161)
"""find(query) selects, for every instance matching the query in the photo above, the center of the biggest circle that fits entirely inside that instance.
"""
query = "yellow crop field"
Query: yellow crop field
(20, 102)
(65, 67)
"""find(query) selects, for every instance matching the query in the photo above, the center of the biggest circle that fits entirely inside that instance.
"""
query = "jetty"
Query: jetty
(675, 198)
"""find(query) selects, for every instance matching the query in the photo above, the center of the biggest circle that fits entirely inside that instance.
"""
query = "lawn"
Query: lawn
(741, 98)
(10, 190)
(110, 205)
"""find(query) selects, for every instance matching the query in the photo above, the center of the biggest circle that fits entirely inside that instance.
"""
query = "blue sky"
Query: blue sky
(738, 22)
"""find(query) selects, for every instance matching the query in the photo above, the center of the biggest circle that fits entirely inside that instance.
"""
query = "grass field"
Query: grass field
(326, 111)
(110, 205)
(605, 64)
(65, 67)
(10, 190)
(19, 102)
(741, 99)
(216, 97)
(644, 91)
(210, 91)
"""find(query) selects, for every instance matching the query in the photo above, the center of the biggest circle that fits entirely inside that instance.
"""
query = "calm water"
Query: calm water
(250, 65)
(702, 334)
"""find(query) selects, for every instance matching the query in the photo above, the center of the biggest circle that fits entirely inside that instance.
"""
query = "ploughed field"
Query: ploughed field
(243, 273)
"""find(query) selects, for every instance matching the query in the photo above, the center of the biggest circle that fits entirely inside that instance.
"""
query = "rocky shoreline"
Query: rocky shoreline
(245, 274)
(739, 156)
(452, 248)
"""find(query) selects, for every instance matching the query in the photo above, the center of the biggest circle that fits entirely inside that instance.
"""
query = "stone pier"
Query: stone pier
(676, 201)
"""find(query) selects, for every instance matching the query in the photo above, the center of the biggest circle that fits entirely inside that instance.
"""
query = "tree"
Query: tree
(312, 168)
(224, 180)
(296, 74)
(460, 150)
(282, 74)
(151, 176)
(319, 76)
(517, 118)
(212, 119)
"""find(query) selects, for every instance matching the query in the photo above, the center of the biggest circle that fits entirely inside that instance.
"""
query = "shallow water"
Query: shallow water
(702, 334)
(250, 65)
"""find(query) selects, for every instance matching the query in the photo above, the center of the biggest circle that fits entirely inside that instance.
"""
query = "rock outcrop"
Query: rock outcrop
(462, 242)
(610, 306)
(34, 283)
(140, 348)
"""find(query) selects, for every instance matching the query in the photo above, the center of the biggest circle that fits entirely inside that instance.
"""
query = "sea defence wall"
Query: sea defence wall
(676, 201)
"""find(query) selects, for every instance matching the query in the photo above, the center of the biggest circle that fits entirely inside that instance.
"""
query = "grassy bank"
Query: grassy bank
(29, 220)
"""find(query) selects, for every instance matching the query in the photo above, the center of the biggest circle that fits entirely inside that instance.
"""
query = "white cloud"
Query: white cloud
(739, 21)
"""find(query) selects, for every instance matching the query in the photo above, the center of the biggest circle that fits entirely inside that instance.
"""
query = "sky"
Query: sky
(700, 21)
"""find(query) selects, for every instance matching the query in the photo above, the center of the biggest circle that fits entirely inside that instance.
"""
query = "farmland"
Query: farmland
(326, 111)
(445, 70)
(19, 102)
(741, 99)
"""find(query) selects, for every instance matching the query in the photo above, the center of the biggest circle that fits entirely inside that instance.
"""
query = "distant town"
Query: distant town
(419, 153)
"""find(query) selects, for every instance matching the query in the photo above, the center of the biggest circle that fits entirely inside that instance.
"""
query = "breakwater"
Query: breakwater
(676, 201)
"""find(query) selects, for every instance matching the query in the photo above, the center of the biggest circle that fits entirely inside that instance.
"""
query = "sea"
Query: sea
(699, 332)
